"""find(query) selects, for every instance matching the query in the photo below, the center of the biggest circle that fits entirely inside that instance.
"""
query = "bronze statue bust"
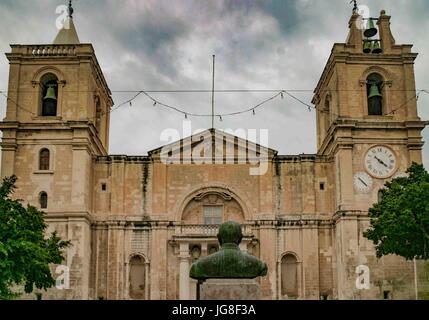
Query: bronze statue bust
(229, 261)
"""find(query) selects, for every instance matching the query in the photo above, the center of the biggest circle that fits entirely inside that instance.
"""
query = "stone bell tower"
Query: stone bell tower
(366, 97)
(367, 123)
(57, 122)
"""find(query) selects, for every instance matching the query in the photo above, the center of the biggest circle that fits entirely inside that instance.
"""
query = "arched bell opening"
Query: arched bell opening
(374, 88)
(49, 95)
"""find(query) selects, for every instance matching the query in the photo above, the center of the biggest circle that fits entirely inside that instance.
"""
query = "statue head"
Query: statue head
(230, 232)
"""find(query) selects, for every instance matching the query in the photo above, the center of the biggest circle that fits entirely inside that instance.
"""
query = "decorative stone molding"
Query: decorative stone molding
(217, 188)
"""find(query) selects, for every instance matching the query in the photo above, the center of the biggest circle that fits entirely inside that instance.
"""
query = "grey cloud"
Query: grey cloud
(160, 44)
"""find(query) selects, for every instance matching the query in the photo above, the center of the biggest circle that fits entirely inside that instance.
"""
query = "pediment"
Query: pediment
(212, 146)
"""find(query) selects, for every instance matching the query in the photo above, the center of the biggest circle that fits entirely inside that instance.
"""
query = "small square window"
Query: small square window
(322, 186)
(103, 187)
(386, 295)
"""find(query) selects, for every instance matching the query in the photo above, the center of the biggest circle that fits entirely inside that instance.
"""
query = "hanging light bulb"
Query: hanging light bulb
(220, 118)
(186, 116)
(131, 104)
(254, 113)
(154, 103)
(281, 93)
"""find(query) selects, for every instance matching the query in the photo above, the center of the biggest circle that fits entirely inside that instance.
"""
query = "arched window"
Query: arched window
(289, 276)
(137, 278)
(49, 95)
(43, 198)
(374, 89)
(44, 159)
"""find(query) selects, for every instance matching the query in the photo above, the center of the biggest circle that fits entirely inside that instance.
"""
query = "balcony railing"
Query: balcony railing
(51, 50)
(207, 230)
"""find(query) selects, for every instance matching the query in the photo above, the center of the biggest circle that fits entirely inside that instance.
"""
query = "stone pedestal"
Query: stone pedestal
(230, 289)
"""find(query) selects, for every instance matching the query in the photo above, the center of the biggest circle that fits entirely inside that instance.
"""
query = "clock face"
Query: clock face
(380, 162)
(362, 182)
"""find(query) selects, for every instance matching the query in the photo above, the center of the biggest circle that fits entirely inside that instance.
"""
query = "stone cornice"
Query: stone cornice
(80, 52)
(342, 133)
(91, 143)
(123, 159)
(68, 216)
(339, 54)
(349, 215)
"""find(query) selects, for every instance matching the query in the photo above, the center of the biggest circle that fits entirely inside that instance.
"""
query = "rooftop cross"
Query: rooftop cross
(355, 6)
(70, 10)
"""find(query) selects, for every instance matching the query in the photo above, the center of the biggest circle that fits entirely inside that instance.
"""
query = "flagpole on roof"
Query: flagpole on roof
(213, 89)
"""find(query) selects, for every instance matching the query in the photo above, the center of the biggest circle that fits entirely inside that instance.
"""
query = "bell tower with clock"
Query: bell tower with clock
(367, 124)
(367, 111)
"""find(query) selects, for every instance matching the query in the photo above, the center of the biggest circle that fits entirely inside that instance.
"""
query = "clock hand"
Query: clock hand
(380, 161)
(363, 182)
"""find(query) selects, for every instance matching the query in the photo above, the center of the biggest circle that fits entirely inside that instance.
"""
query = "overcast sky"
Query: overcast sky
(168, 45)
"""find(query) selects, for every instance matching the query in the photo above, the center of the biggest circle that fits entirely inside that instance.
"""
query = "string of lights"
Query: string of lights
(15, 103)
(252, 109)
(220, 90)
(414, 97)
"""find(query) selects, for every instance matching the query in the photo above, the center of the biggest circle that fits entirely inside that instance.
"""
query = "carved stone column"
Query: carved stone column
(184, 271)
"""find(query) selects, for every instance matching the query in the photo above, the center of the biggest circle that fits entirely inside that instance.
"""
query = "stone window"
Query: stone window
(49, 95)
(213, 214)
(44, 159)
(43, 198)
(386, 295)
(289, 276)
(374, 89)
(137, 278)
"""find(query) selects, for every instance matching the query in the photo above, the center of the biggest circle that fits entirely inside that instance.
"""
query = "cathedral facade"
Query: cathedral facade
(137, 223)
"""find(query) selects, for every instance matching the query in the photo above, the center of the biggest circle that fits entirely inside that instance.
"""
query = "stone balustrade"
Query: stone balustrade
(205, 230)
(51, 50)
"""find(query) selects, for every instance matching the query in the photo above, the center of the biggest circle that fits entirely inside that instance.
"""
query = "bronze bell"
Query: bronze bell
(50, 102)
(374, 91)
(376, 47)
(367, 47)
(50, 93)
(371, 29)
